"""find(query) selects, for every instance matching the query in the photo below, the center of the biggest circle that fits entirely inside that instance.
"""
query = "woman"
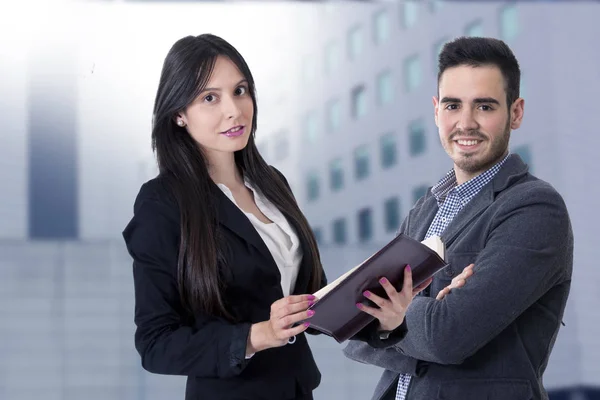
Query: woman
(223, 256)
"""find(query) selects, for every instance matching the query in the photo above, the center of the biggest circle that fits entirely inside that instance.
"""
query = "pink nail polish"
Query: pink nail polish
(311, 297)
(366, 293)
(307, 324)
(310, 313)
(310, 303)
(408, 267)
(359, 305)
(383, 280)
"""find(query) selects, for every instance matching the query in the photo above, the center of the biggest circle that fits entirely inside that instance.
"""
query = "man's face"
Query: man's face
(473, 119)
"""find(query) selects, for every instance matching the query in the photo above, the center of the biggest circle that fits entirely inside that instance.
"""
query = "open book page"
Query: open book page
(433, 242)
(323, 291)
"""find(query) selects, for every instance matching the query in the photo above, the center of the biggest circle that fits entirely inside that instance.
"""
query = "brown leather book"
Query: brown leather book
(336, 313)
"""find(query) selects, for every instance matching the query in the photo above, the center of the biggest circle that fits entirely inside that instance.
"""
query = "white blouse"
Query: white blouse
(279, 236)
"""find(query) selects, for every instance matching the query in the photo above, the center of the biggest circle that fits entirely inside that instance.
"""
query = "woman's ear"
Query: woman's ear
(180, 120)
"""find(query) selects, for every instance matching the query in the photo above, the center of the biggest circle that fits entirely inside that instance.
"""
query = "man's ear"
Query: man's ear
(436, 104)
(516, 113)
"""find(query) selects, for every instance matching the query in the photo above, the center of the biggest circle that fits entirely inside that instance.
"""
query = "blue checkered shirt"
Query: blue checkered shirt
(451, 198)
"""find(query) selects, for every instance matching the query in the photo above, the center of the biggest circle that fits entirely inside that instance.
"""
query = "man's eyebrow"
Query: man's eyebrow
(486, 100)
(476, 101)
(450, 100)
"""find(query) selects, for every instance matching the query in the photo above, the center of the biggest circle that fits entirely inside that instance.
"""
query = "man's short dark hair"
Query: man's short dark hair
(479, 51)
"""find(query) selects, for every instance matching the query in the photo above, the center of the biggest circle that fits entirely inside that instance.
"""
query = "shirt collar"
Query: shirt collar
(467, 190)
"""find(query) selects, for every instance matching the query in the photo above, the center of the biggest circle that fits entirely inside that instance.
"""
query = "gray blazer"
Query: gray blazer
(492, 338)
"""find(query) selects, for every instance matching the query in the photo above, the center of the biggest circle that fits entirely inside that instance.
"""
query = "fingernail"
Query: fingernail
(383, 280)
(367, 293)
(307, 324)
(311, 297)
(310, 313)
(310, 303)
(408, 267)
(359, 305)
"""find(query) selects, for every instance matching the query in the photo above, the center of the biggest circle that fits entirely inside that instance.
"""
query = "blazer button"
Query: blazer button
(448, 271)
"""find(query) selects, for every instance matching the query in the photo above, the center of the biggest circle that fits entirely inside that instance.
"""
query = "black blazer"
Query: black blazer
(210, 350)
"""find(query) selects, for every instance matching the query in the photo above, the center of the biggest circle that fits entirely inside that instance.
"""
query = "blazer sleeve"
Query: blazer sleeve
(529, 249)
(208, 346)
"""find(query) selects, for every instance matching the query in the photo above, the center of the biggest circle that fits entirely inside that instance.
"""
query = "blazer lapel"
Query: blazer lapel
(512, 170)
(475, 207)
(236, 221)
(423, 219)
(305, 269)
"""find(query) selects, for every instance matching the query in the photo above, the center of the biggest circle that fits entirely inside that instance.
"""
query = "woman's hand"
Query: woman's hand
(392, 310)
(279, 328)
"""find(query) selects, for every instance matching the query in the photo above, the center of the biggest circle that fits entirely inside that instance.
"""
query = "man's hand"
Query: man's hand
(458, 281)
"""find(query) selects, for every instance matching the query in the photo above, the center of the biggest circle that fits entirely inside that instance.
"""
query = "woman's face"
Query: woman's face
(220, 118)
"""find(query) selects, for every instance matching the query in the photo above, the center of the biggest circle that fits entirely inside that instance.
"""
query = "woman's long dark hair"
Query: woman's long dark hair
(186, 71)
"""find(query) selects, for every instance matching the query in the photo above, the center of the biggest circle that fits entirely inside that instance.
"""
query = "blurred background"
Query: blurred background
(345, 112)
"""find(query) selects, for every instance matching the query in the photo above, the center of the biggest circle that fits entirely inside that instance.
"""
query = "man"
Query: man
(490, 339)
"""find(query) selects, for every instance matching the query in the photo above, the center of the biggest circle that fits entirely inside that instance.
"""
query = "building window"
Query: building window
(435, 5)
(310, 127)
(409, 13)
(412, 73)
(524, 151)
(361, 162)
(339, 231)
(419, 192)
(359, 102)
(332, 57)
(334, 115)
(388, 150)
(381, 24)
(475, 29)
(355, 42)
(416, 137)
(437, 49)
(365, 224)
(318, 232)
(385, 89)
(392, 214)
(509, 22)
(336, 175)
(312, 186)
(309, 69)
(282, 146)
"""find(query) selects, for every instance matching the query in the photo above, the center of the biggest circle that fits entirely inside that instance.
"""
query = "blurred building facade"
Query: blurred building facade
(345, 113)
